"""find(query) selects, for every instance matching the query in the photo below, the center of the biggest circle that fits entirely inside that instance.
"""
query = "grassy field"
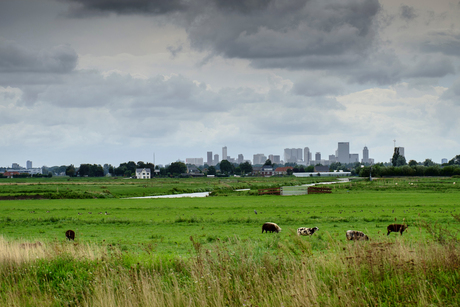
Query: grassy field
(211, 252)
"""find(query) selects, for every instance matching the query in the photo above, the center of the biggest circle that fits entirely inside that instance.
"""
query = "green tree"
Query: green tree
(455, 160)
(268, 162)
(397, 159)
(226, 167)
(70, 170)
(177, 168)
(428, 162)
(412, 163)
(246, 168)
(212, 170)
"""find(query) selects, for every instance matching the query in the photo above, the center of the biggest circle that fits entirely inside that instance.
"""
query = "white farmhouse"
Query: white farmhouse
(143, 173)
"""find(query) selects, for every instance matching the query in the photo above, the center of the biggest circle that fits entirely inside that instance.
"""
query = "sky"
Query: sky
(112, 81)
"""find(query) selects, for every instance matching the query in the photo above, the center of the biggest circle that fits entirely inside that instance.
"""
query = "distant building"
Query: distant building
(216, 159)
(259, 159)
(224, 153)
(283, 170)
(354, 158)
(365, 159)
(292, 155)
(29, 164)
(194, 161)
(343, 152)
(331, 159)
(306, 156)
(209, 158)
(444, 160)
(143, 173)
(318, 156)
(401, 151)
(321, 169)
(15, 166)
(240, 158)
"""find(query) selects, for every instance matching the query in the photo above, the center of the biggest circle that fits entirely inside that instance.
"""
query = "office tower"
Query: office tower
(343, 153)
(224, 153)
(276, 159)
(240, 158)
(365, 155)
(318, 156)
(306, 156)
(29, 164)
(194, 161)
(209, 158)
(292, 154)
(354, 157)
(331, 159)
(216, 159)
(401, 151)
(259, 159)
(444, 160)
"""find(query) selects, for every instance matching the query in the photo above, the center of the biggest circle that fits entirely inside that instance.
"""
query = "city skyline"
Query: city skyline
(92, 82)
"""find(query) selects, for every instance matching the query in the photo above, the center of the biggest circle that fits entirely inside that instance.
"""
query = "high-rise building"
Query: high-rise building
(443, 160)
(292, 154)
(209, 158)
(331, 159)
(240, 158)
(194, 161)
(306, 156)
(354, 157)
(318, 156)
(224, 153)
(29, 164)
(259, 159)
(15, 165)
(365, 155)
(343, 152)
(216, 159)
(401, 151)
(276, 159)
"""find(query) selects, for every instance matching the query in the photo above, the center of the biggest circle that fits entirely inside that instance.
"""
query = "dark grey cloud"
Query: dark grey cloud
(313, 87)
(87, 8)
(15, 58)
(430, 68)
(407, 12)
(444, 41)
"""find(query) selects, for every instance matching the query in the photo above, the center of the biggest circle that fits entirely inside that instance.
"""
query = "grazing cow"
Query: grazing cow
(396, 228)
(356, 235)
(272, 227)
(304, 231)
(70, 235)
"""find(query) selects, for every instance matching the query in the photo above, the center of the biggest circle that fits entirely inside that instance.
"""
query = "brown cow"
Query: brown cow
(272, 227)
(356, 235)
(396, 228)
(70, 235)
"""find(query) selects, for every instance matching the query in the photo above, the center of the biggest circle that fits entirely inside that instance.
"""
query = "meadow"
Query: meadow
(211, 252)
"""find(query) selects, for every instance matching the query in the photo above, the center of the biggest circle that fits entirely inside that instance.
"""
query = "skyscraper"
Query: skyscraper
(209, 158)
(306, 156)
(318, 157)
(365, 155)
(216, 159)
(29, 164)
(224, 153)
(292, 154)
(343, 152)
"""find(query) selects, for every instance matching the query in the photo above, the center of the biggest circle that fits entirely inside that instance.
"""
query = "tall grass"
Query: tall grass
(233, 273)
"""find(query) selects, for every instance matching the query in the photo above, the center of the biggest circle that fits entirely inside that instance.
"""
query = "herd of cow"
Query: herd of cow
(351, 234)
(302, 231)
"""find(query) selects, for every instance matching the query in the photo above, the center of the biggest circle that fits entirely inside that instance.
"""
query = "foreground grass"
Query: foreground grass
(233, 273)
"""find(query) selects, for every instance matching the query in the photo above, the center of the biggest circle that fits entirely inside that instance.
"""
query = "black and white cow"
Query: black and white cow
(396, 228)
(270, 227)
(304, 231)
(356, 235)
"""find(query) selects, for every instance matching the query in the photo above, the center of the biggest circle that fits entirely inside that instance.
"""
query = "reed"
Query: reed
(234, 273)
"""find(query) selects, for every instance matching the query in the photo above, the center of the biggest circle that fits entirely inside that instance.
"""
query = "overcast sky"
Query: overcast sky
(111, 81)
